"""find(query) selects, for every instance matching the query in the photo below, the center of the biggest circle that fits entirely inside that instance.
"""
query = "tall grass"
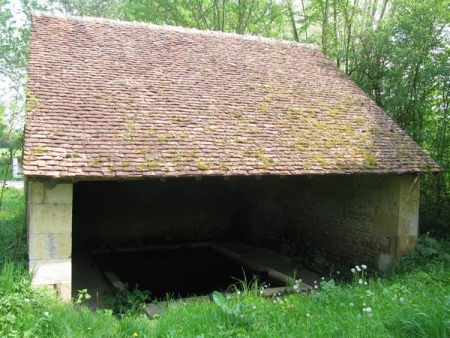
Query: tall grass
(411, 301)
(413, 305)
(13, 229)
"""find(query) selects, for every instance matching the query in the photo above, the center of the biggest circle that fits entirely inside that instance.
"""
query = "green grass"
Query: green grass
(411, 301)
(13, 230)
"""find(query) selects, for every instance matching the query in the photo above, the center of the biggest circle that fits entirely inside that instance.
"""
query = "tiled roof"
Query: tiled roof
(110, 99)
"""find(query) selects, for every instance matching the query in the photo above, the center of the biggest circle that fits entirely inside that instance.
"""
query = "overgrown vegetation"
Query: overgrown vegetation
(13, 227)
(412, 300)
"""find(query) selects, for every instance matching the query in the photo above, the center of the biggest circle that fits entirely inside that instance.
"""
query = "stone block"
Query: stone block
(61, 193)
(384, 261)
(36, 193)
(64, 291)
(386, 224)
(405, 244)
(49, 246)
(51, 271)
(409, 225)
(54, 218)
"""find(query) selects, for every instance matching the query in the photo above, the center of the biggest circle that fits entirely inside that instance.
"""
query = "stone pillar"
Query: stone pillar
(398, 217)
(408, 227)
(50, 235)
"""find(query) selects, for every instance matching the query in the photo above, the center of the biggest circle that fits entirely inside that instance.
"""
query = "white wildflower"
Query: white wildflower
(353, 270)
(360, 281)
(358, 268)
(364, 266)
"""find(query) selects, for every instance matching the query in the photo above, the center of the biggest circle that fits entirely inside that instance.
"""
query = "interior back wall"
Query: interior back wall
(146, 212)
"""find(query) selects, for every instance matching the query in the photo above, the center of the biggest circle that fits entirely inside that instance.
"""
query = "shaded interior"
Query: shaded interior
(179, 273)
(309, 218)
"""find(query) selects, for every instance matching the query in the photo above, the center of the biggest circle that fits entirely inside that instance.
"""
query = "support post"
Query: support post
(49, 212)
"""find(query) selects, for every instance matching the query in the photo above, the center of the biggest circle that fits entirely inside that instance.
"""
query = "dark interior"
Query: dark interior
(179, 273)
(314, 219)
(154, 212)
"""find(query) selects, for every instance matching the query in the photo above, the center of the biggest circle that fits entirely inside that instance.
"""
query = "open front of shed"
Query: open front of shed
(140, 136)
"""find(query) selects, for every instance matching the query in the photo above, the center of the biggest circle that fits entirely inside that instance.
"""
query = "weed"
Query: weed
(82, 295)
(127, 302)
(239, 310)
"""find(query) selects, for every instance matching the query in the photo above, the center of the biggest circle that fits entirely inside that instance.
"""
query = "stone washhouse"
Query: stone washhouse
(140, 135)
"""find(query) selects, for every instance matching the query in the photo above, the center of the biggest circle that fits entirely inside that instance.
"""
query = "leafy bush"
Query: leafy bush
(428, 251)
(127, 302)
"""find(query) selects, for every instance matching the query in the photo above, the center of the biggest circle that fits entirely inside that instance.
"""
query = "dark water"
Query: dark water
(183, 273)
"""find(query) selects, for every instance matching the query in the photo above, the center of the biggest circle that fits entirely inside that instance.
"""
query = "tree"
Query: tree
(258, 17)
(403, 63)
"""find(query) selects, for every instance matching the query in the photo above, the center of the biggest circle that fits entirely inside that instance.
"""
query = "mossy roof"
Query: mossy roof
(110, 99)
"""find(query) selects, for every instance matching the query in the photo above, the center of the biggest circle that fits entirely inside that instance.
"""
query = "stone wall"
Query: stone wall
(367, 219)
(49, 211)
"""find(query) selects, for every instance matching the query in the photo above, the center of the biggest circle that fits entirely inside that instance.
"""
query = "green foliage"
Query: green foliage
(97, 8)
(428, 251)
(248, 16)
(127, 302)
(13, 230)
(81, 297)
(239, 310)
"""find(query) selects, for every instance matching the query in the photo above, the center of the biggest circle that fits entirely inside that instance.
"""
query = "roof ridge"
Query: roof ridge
(117, 22)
